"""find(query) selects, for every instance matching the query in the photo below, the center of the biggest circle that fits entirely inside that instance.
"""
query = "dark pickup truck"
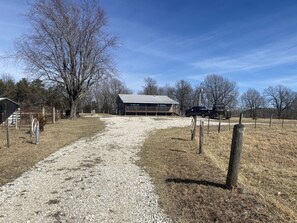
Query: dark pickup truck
(220, 110)
(197, 111)
(215, 112)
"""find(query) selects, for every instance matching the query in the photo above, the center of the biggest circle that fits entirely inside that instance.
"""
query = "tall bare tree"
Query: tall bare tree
(220, 90)
(252, 100)
(106, 92)
(68, 45)
(168, 91)
(150, 87)
(183, 94)
(294, 104)
(280, 97)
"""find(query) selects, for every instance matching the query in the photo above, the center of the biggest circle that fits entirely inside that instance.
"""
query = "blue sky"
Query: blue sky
(253, 43)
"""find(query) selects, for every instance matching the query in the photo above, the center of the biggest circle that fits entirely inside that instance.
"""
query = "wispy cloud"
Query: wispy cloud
(266, 57)
(288, 80)
(246, 47)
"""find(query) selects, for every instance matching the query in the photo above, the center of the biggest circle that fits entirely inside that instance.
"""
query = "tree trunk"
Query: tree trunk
(73, 108)
(279, 113)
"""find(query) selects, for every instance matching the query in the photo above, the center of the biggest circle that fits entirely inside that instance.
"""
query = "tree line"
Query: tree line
(278, 100)
(35, 94)
(31, 94)
(102, 96)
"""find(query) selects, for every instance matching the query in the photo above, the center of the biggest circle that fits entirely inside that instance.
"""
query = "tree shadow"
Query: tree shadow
(176, 150)
(198, 182)
(180, 139)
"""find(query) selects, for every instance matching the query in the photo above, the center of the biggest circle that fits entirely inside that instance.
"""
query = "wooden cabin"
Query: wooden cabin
(129, 104)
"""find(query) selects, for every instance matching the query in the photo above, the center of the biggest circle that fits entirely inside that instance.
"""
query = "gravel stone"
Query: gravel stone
(92, 180)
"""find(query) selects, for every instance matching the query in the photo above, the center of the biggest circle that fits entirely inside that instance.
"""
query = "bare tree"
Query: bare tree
(294, 104)
(183, 94)
(150, 87)
(8, 86)
(252, 100)
(168, 91)
(220, 90)
(280, 97)
(117, 87)
(68, 45)
(106, 92)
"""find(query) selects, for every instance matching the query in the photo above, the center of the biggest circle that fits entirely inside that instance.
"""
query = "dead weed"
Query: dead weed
(191, 186)
(23, 154)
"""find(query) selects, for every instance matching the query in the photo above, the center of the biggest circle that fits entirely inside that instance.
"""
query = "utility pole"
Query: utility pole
(200, 96)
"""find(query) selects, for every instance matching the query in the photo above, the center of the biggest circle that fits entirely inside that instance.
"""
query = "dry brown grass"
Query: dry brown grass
(191, 186)
(23, 154)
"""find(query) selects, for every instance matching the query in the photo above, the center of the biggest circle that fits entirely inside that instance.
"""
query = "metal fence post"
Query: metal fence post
(37, 134)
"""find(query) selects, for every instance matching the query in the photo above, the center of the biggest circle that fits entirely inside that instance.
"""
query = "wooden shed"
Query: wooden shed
(7, 108)
(128, 104)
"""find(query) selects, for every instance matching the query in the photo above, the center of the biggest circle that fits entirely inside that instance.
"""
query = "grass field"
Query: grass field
(191, 186)
(23, 154)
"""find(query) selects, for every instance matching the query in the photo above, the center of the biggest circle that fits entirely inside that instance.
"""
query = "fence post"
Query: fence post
(31, 127)
(219, 128)
(208, 126)
(193, 136)
(43, 111)
(7, 133)
(229, 124)
(270, 122)
(234, 161)
(240, 118)
(255, 122)
(37, 133)
(201, 137)
(16, 121)
(54, 115)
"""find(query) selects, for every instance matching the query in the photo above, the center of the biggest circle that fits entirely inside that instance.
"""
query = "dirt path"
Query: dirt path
(92, 180)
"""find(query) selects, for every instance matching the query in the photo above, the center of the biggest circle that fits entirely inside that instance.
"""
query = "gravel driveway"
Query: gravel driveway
(91, 180)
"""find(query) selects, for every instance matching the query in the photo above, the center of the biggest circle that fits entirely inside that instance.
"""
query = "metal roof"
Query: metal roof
(7, 107)
(1, 99)
(146, 99)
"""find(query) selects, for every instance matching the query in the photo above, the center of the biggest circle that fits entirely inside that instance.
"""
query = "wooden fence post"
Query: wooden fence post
(270, 122)
(201, 137)
(43, 111)
(16, 118)
(219, 128)
(16, 121)
(234, 161)
(255, 122)
(7, 126)
(193, 136)
(31, 127)
(208, 126)
(7, 133)
(240, 118)
(54, 115)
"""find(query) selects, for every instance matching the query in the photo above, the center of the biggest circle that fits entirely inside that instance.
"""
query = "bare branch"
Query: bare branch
(68, 46)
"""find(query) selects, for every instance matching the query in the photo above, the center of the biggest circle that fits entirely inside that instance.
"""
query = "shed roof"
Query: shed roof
(147, 99)
(7, 108)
